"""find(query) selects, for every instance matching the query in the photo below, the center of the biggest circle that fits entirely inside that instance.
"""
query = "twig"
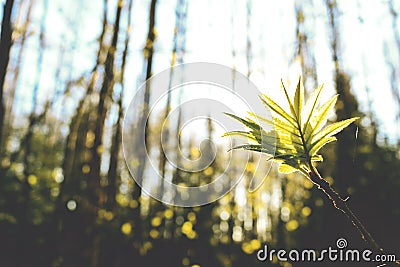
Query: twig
(341, 204)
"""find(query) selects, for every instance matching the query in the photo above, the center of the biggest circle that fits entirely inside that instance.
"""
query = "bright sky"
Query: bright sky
(209, 38)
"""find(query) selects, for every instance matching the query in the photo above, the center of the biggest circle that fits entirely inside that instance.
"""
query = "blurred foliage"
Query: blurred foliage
(62, 202)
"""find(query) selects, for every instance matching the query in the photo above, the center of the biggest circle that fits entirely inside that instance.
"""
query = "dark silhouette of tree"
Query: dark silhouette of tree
(143, 124)
(5, 46)
(143, 128)
(346, 106)
(72, 223)
(24, 28)
(394, 67)
(116, 139)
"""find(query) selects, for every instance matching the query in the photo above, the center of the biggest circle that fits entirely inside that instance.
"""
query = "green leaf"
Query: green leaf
(240, 133)
(278, 110)
(290, 104)
(332, 129)
(317, 158)
(285, 168)
(278, 124)
(323, 113)
(248, 123)
(310, 106)
(298, 135)
(317, 146)
(257, 148)
(298, 99)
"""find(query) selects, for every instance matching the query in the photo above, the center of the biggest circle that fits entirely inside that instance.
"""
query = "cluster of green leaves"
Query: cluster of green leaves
(298, 133)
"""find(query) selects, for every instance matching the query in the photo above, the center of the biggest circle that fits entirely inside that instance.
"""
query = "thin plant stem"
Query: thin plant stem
(341, 204)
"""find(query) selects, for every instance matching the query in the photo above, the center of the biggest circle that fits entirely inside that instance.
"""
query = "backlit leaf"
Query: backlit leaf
(278, 110)
(284, 168)
(298, 135)
(298, 99)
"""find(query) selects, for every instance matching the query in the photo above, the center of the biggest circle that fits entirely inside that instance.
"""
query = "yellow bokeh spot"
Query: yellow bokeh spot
(168, 214)
(251, 167)
(195, 152)
(32, 179)
(155, 31)
(86, 169)
(126, 228)
(307, 194)
(142, 251)
(224, 239)
(156, 221)
(195, 265)
(135, 163)
(185, 261)
(306, 211)
(308, 184)
(191, 216)
(100, 150)
(133, 204)
(292, 225)
(187, 227)
(191, 235)
(146, 247)
(101, 212)
(209, 171)
(274, 259)
(154, 233)
(108, 215)
(329, 180)
(122, 200)
(255, 244)
(247, 248)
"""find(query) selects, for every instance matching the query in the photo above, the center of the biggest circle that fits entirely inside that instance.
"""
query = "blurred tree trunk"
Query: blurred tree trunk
(26, 140)
(13, 86)
(395, 75)
(109, 252)
(26, 143)
(70, 152)
(176, 56)
(205, 219)
(177, 174)
(5, 47)
(365, 73)
(395, 27)
(143, 127)
(33, 117)
(303, 53)
(93, 190)
(346, 107)
(116, 143)
(345, 172)
(72, 224)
